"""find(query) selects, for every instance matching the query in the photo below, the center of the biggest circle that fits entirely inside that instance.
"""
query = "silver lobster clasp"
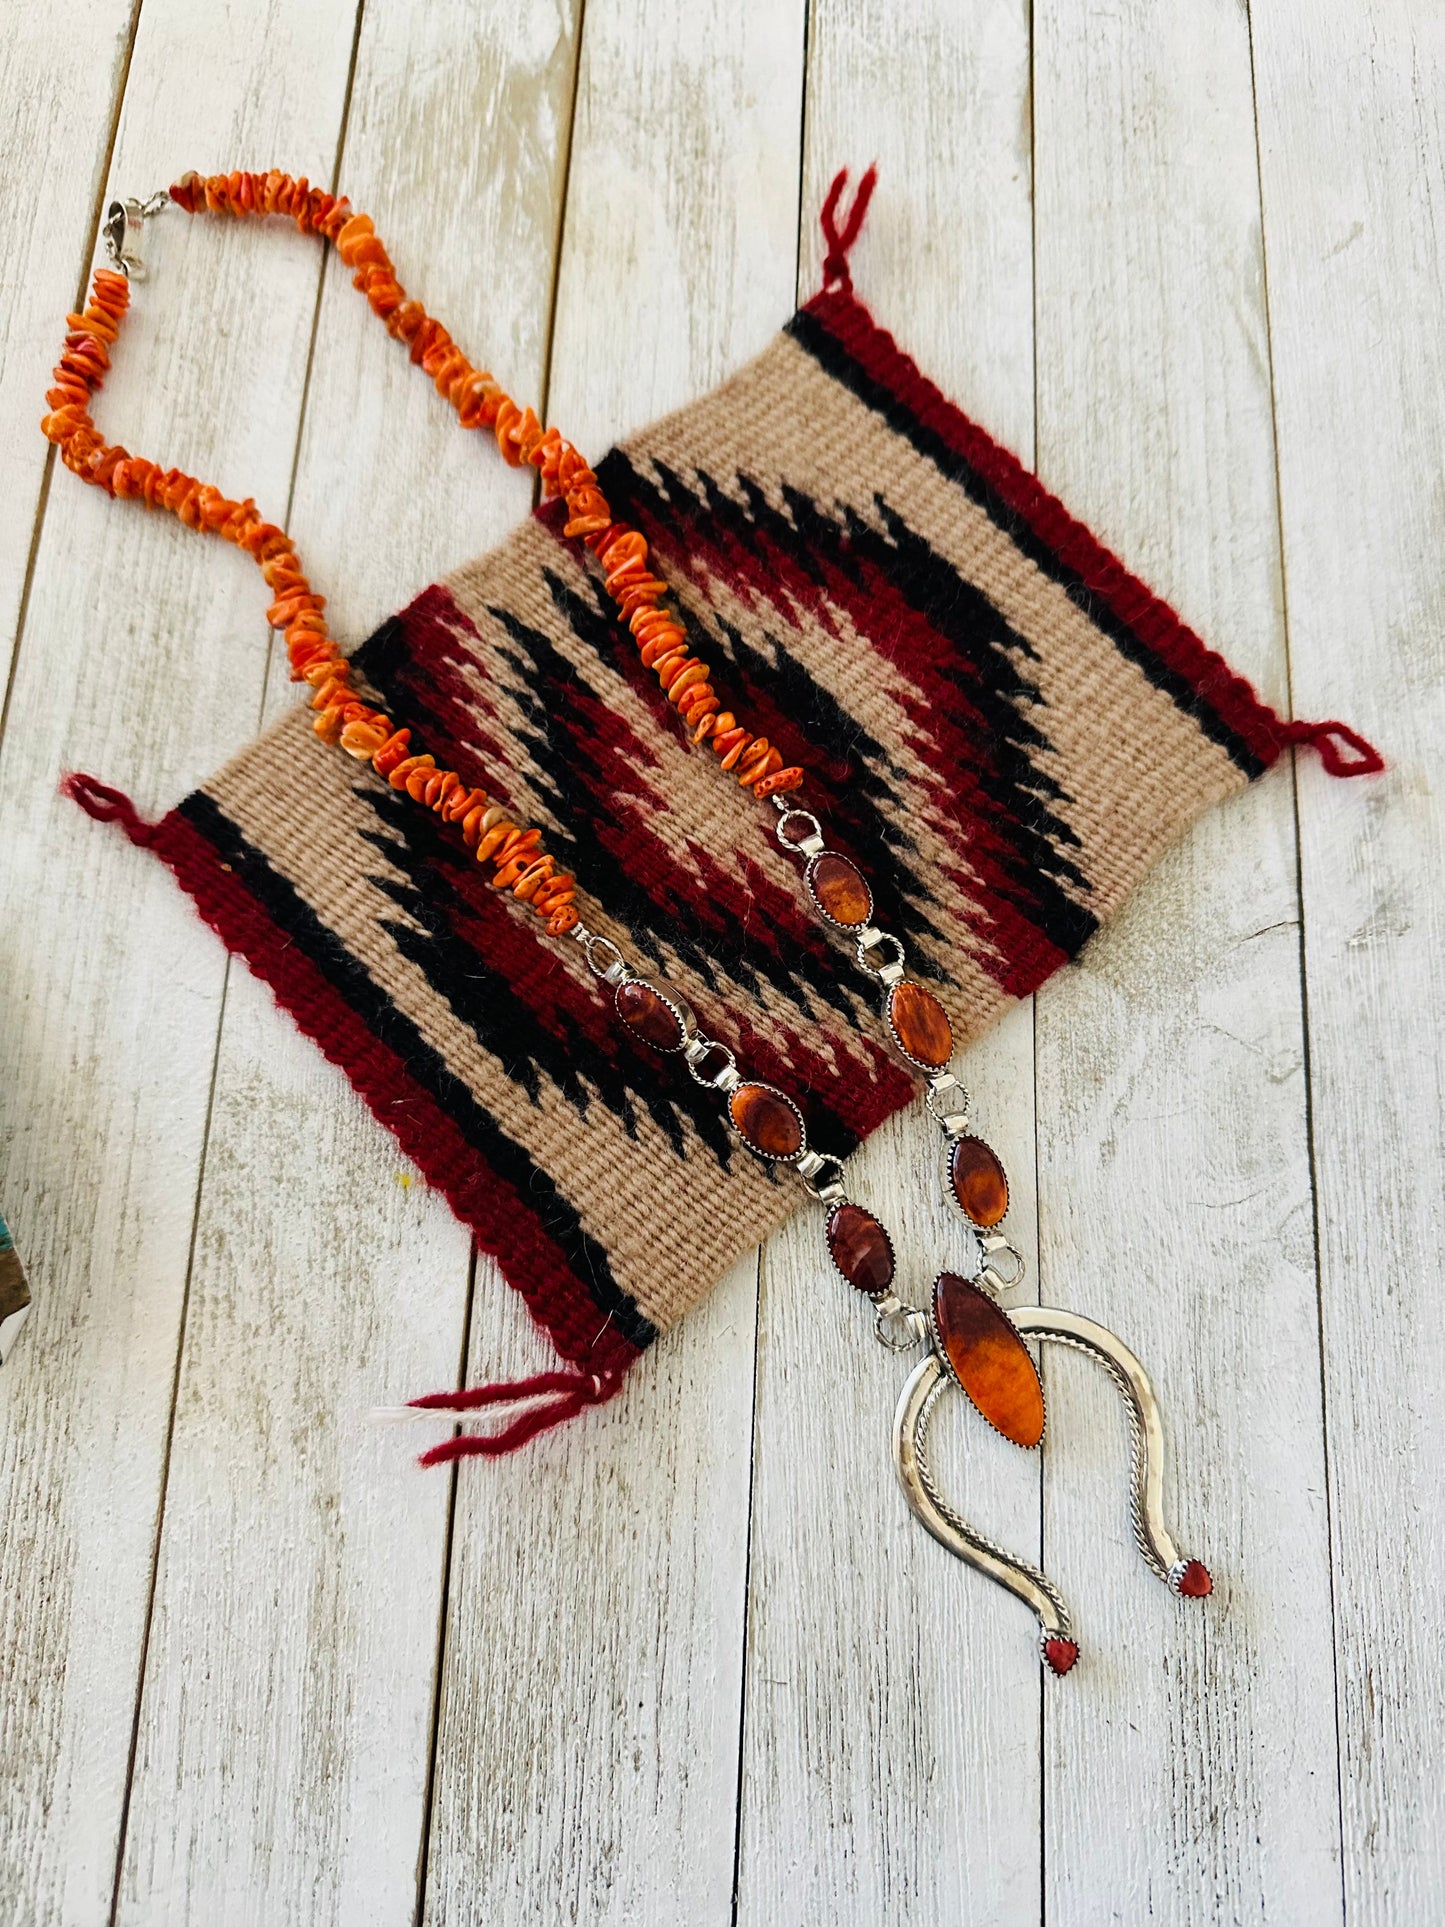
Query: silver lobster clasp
(121, 232)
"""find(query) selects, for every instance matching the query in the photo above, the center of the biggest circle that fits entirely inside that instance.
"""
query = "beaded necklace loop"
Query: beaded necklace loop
(971, 1341)
(520, 863)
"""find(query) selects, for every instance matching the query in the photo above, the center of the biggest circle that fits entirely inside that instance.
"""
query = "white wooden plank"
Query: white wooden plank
(588, 1748)
(286, 1728)
(1352, 148)
(141, 660)
(890, 1758)
(58, 98)
(1190, 1768)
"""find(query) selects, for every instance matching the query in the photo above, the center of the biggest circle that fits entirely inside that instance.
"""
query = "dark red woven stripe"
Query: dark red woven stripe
(1148, 617)
(1013, 949)
(716, 905)
(504, 1225)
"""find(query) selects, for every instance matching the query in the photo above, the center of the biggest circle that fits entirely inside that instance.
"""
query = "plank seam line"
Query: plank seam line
(448, 1551)
(42, 499)
(165, 1478)
(560, 232)
(423, 1859)
(758, 1286)
(1306, 1052)
(164, 1489)
(277, 644)
(802, 156)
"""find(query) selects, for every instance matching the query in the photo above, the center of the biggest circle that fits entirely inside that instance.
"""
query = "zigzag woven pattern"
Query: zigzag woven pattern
(1012, 729)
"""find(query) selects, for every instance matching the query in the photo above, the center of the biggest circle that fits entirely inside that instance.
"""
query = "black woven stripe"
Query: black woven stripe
(1024, 837)
(558, 742)
(288, 910)
(486, 999)
(834, 359)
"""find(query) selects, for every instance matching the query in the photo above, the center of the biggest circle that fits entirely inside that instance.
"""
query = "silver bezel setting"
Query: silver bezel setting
(951, 1197)
(813, 898)
(764, 1157)
(838, 1205)
(918, 1063)
(686, 1021)
(938, 1346)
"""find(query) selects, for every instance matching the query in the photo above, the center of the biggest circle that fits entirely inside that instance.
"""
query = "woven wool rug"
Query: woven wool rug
(1007, 730)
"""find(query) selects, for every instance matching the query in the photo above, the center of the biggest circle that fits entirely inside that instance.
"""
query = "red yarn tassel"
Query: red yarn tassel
(562, 1396)
(840, 241)
(1328, 738)
(108, 806)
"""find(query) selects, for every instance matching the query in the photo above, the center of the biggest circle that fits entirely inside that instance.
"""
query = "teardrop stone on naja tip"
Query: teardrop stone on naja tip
(988, 1358)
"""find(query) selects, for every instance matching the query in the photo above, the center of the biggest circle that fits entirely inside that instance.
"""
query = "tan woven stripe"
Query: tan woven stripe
(1135, 769)
(701, 809)
(293, 798)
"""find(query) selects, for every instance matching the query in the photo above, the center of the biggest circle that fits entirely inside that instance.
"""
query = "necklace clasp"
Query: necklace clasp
(121, 232)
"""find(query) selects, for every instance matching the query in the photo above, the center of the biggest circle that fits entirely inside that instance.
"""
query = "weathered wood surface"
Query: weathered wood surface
(1174, 1181)
(1352, 151)
(690, 1659)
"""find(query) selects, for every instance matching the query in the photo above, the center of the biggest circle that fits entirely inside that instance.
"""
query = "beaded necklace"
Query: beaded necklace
(970, 1341)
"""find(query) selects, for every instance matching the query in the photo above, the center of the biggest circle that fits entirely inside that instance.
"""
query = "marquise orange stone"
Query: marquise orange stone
(978, 1181)
(920, 1023)
(839, 889)
(767, 1120)
(989, 1359)
(861, 1248)
(649, 1015)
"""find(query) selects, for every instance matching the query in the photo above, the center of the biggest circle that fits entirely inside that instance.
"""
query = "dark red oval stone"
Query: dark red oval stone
(1194, 1581)
(989, 1359)
(767, 1120)
(861, 1248)
(978, 1181)
(920, 1024)
(650, 1016)
(839, 889)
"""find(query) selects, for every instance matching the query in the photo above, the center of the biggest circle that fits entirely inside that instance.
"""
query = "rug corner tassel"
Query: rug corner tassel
(107, 805)
(1342, 750)
(840, 241)
(559, 1396)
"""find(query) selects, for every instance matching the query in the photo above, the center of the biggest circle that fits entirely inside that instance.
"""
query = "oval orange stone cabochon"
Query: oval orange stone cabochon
(978, 1181)
(860, 1247)
(988, 1358)
(767, 1120)
(920, 1025)
(839, 889)
(648, 1013)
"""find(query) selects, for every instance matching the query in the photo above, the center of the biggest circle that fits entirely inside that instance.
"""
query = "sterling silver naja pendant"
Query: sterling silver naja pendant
(1184, 1577)
(973, 1342)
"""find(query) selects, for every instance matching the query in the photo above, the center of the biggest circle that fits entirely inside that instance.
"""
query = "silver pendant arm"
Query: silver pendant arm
(910, 1426)
(1184, 1577)
(1146, 1431)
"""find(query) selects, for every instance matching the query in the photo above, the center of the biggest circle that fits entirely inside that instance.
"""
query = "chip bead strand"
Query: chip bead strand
(481, 402)
(765, 1118)
(520, 863)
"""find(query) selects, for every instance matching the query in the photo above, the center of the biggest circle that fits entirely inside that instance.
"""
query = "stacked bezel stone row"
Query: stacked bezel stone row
(918, 1028)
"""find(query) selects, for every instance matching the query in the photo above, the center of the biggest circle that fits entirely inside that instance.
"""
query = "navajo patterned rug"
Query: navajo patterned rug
(1014, 728)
